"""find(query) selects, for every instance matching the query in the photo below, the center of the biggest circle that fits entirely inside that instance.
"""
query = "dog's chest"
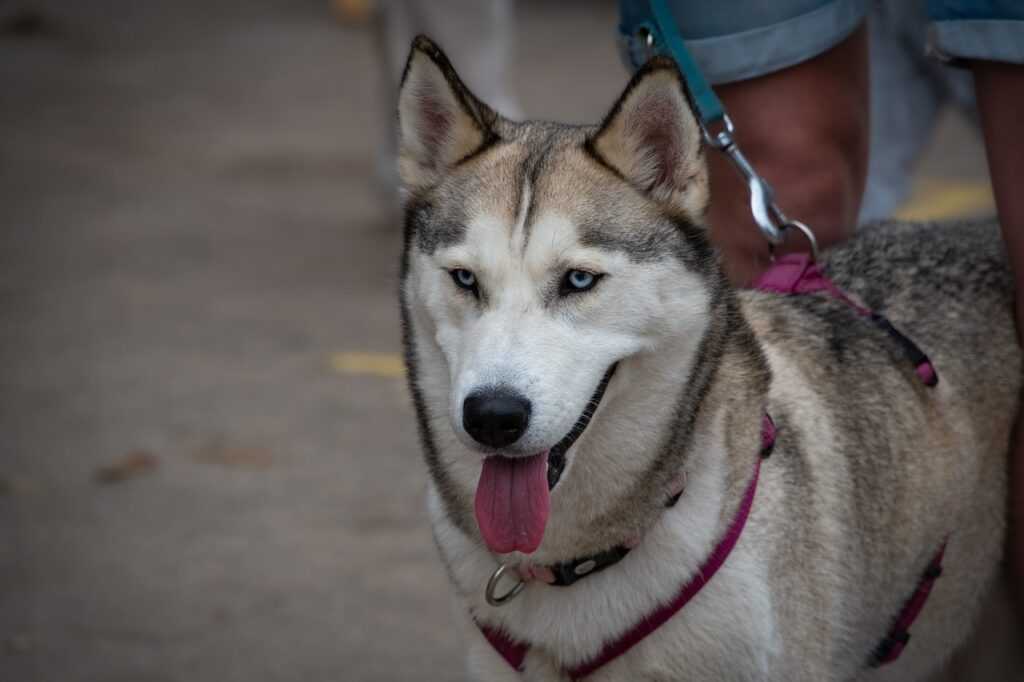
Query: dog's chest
(727, 632)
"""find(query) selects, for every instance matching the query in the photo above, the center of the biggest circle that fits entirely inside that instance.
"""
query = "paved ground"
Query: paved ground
(201, 478)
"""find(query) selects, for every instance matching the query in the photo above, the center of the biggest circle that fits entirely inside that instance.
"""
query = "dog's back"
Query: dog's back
(876, 470)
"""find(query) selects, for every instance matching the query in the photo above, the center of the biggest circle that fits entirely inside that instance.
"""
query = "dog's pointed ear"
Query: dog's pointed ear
(440, 122)
(652, 139)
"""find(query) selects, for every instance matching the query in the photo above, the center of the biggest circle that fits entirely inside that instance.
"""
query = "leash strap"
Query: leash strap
(660, 35)
(709, 107)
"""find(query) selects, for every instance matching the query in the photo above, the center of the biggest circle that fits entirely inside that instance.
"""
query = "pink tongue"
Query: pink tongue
(512, 502)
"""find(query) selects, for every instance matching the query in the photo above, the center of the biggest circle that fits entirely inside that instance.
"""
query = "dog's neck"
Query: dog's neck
(684, 408)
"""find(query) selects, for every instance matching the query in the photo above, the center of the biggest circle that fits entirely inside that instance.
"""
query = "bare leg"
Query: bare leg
(1000, 91)
(805, 129)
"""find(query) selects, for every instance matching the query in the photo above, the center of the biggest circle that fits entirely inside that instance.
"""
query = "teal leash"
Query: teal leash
(708, 105)
(662, 37)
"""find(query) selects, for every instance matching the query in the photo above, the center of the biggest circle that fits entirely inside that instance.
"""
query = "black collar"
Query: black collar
(568, 572)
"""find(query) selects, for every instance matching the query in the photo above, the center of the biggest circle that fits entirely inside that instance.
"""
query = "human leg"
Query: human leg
(988, 36)
(1000, 92)
(794, 78)
(805, 129)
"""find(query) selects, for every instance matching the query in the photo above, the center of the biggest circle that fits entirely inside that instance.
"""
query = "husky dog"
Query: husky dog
(575, 352)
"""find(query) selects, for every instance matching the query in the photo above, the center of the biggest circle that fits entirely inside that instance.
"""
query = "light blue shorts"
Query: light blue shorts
(733, 40)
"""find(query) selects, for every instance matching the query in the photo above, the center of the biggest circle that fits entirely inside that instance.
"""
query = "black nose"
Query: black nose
(495, 418)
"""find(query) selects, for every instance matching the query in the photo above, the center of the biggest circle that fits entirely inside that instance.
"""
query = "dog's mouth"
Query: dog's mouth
(512, 496)
(556, 456)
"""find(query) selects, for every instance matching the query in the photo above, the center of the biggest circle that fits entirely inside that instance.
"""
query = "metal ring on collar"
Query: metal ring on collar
(492, 585)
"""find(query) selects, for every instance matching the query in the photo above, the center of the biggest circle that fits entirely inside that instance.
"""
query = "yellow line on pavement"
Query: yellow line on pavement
(374, 364)
(936, 201)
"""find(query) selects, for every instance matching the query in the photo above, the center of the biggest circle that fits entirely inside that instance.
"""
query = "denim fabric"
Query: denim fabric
(736, 40)
(977, 29)
(986, 10)
(742, 39)
(731, 40)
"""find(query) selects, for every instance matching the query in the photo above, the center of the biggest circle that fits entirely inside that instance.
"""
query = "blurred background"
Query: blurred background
(208, 462)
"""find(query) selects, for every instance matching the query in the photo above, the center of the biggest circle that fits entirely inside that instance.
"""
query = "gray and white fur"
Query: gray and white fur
(872, 470)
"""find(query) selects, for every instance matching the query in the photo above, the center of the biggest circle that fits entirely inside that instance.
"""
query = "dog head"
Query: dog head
(545, 266)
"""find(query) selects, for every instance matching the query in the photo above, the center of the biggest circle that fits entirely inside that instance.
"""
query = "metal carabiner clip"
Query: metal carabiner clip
(770, 219)
(660, 34)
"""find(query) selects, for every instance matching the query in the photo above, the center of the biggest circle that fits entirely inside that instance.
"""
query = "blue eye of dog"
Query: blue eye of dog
(576, 281)
(464, 279)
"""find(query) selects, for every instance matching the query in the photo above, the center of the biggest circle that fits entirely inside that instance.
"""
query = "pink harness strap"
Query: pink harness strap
(791, 274)
(890, 648)
(515, 652)
(797, 273)
(702, 577)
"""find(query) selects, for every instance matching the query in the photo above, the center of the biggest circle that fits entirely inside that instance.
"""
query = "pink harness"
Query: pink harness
(515, 652)
(791, 274)
(797, 273)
